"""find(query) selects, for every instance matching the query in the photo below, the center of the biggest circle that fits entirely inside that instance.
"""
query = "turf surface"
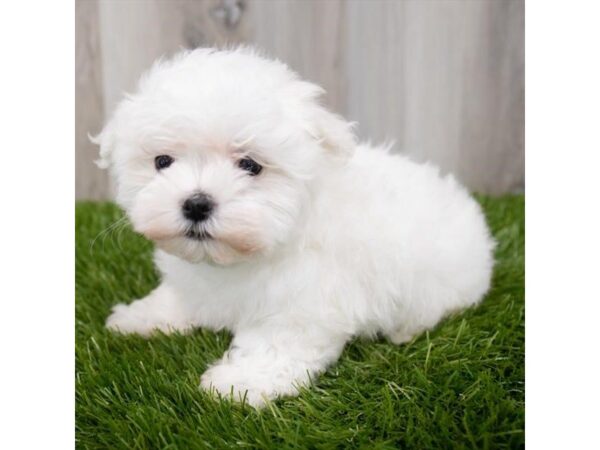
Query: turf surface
(458, 386)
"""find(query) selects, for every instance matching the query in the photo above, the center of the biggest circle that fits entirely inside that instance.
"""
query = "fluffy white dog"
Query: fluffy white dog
(271, 221)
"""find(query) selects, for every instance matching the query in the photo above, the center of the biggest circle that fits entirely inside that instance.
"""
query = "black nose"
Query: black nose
(198, 207)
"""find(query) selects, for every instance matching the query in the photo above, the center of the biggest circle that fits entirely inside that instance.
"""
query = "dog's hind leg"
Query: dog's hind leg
(402, 335)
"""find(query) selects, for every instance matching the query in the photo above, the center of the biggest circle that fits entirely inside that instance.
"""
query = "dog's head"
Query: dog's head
(214, 155)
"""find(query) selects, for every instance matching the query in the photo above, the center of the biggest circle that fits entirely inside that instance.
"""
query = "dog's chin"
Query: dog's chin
(223, 244)
(188, 249)
(201, 247)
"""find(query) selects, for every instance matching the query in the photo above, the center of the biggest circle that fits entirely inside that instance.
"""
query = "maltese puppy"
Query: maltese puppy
(271, 221)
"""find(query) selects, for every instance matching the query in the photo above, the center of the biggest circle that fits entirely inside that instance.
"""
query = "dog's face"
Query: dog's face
(214, 155)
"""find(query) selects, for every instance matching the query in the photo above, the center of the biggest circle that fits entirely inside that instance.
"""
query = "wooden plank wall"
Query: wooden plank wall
(90, 182)
(443, 78)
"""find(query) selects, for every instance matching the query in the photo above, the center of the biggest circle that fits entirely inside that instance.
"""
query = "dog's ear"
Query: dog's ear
(106, 140)
(333, 132)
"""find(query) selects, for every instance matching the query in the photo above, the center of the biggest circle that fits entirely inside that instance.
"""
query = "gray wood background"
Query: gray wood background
(444, 79)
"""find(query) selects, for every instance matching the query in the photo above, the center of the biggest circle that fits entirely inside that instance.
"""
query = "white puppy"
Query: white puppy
(272, 222)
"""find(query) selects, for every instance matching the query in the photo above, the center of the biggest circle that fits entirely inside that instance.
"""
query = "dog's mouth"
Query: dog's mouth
(198, 235)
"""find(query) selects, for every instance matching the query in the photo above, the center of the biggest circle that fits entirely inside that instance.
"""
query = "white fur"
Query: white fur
(333, 239)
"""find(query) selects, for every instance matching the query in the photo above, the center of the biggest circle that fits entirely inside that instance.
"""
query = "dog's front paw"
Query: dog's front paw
(158, 311)
(127, 319)
(239, 383)
(224, 381)
(143, 318)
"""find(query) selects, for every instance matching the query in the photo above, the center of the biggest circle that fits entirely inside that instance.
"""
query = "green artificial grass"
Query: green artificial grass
(458, 386)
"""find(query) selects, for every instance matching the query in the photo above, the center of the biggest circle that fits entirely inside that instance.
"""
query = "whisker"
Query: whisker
(108, 229)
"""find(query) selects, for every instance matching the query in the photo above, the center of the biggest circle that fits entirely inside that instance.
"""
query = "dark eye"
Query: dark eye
(250, 166)
(162, 162)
